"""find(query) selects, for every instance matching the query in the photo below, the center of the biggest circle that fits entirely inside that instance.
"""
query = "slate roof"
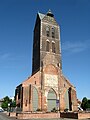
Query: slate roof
(41, 15)
(49, 13)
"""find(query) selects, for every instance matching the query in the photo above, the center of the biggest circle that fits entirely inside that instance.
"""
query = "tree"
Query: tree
(13, 104)
(85, 103)
(8, 104)
(5, 103)
(88, 103)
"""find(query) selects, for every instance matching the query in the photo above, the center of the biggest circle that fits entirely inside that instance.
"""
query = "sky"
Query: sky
(17, 20)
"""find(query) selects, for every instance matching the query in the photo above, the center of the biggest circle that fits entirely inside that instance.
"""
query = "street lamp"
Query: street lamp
(8, 107)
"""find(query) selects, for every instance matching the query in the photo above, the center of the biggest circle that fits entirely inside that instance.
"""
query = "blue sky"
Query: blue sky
(17, 20)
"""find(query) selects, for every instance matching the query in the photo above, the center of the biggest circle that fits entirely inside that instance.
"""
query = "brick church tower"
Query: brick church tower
(46, 89)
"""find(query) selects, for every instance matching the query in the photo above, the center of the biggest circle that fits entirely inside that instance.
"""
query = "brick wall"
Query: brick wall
(37, 115)
(69, 115)
(75, 115)
(29, 115)
(84, 115)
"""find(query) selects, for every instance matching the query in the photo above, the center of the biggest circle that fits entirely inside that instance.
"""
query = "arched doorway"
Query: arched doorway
(35, 99)
(51, 100)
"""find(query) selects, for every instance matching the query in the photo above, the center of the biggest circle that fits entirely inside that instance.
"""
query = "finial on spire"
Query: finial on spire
(49, 13)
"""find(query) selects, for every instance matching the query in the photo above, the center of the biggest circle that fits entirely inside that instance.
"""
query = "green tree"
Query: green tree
(13, 104)
(84, 103)
(88, 104)
(5, 103)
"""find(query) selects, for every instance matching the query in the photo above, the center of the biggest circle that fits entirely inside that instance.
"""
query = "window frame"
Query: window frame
(47, 31)
(47, 45)
(53, 47)
(53, 32)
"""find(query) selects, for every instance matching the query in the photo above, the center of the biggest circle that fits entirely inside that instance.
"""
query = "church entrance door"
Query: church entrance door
(51, 100)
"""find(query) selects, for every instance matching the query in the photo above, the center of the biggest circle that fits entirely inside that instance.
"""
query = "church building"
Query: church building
(46, 89)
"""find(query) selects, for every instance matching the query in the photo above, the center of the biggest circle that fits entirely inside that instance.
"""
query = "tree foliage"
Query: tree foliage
(7, 101)
(13, 104)
(85, 103)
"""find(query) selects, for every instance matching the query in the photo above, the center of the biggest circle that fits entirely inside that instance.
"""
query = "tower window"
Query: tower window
(53, 32)
(53, 47)
(47, 46)
(26, 103)
(47, 31)
(35, 82)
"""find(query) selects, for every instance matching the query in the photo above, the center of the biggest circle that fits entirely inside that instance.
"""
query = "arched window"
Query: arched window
(53, 32)
(34, 99)
(26, 103)
(53, 47)
(47, 31)
(51, 100)
(47, 45)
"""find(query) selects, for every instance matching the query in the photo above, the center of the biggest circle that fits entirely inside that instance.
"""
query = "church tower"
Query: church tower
(47, 89)
(46, 42)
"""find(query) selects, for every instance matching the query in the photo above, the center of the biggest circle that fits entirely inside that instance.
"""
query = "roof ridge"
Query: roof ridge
(41, 15)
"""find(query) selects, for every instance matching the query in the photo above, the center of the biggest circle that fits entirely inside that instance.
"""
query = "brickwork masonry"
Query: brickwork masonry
(29, 115)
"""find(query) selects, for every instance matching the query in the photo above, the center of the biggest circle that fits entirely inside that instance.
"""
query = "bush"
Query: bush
(54, 110)
(66, 110)
(38, 109)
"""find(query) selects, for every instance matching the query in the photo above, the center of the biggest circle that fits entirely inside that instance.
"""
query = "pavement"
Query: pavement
(3, 116)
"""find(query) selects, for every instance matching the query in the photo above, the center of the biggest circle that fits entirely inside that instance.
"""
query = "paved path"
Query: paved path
(3, 116)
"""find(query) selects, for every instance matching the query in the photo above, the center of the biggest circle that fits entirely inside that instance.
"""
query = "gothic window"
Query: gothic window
(47, 31)
(35, 82)
(53, 32)
(53, 47)
(26, 103)
(41, 63)
(47, 45)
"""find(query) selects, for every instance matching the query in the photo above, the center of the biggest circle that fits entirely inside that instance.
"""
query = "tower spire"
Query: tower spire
(49, 13)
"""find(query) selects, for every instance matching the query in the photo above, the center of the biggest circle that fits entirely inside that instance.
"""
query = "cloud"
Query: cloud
(75, 47)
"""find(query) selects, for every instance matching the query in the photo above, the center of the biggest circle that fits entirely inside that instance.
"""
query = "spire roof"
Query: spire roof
(49, 13)
(41, 15)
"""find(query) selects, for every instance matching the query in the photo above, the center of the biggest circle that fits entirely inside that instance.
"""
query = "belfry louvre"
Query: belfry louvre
(47, 88)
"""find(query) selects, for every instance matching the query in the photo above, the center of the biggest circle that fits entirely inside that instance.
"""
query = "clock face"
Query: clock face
(51, 80)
